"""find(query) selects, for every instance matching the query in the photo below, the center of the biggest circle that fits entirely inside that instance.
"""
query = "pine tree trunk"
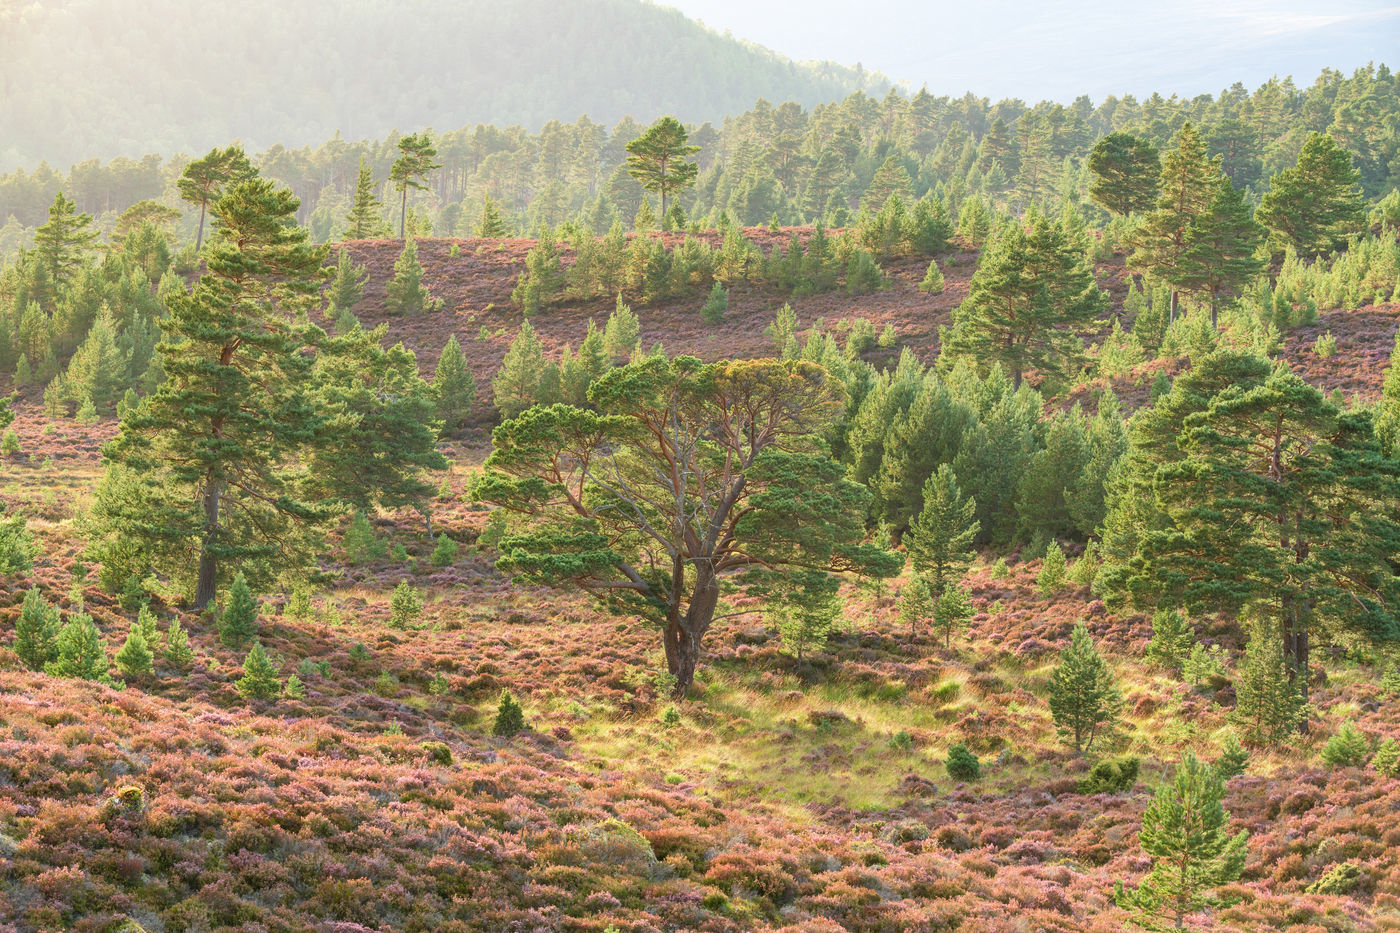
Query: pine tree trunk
(403, 214)
(208, 561)
(1171, 313)
(684, 633)
(199, 237)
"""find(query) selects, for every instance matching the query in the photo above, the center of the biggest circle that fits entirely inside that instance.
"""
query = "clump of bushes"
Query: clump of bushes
(1110, 777)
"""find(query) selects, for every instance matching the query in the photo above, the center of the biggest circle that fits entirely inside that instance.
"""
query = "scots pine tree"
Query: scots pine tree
(1317, 204)
(454, 388)
(347, 288)
(62, 243)
(510, 718)
(940, 539)
(916, 604)
(1172, 638)
(207, 456)
(239, 621)
(1268, 704)
(1084, 694)
(806, 613)
(1223, 241)
(622, 333)
(405, 292)
(659, 160)
(134, 658)
(1263, 495)
(743, 491)
(516, 384)
(716, 305)
(492, 224)
(80, 652)
(1163, 246)
(377, 430)
(410, 171)
(177, 645)
(206, 179)
(1186, 832)
(1053, 574)
(1032, 297)
(259, 680)
(366, 218)
(1127, 174)
(543, 278)
(951, 612)
(932, 283)
(36, 631)
(405, 606)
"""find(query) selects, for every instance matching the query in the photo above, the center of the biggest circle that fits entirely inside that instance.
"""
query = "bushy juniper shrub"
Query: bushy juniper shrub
(962, 764)
(510, 717)
(1347, 748)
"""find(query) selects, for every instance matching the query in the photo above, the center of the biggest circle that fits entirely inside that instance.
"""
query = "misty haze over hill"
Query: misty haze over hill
(1061, 49)
(87, 78)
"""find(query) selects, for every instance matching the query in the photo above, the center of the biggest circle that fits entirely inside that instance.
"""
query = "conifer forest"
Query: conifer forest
(786, 498)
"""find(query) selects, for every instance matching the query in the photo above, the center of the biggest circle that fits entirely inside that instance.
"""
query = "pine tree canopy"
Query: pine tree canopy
(1127, 174)
(1317, 204)
(204, 180)
(658, 160)
(749, 496)
(1263, 493)
(1032, 297)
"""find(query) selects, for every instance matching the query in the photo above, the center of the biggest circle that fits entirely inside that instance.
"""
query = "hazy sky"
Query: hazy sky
(1056, 49)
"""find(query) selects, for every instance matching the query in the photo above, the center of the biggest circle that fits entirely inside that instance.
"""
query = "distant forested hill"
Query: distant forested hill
(83, 78)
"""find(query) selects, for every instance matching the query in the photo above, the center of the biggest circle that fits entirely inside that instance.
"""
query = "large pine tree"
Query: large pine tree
(1189, 184)
(1317, 204)
(659, 160)
(209, 450)
(205, 179)
(410, 171)
(1245, 488)
(1032, 297)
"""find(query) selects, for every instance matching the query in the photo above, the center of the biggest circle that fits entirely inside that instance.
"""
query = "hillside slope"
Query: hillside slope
(86, 78)
(475, 287)
(781, 797)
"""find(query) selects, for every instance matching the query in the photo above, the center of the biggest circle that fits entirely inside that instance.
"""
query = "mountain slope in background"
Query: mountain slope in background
(85, 78)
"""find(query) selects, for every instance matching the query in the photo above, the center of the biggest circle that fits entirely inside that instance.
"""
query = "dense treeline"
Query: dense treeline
(136, 82)
(788, 161)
